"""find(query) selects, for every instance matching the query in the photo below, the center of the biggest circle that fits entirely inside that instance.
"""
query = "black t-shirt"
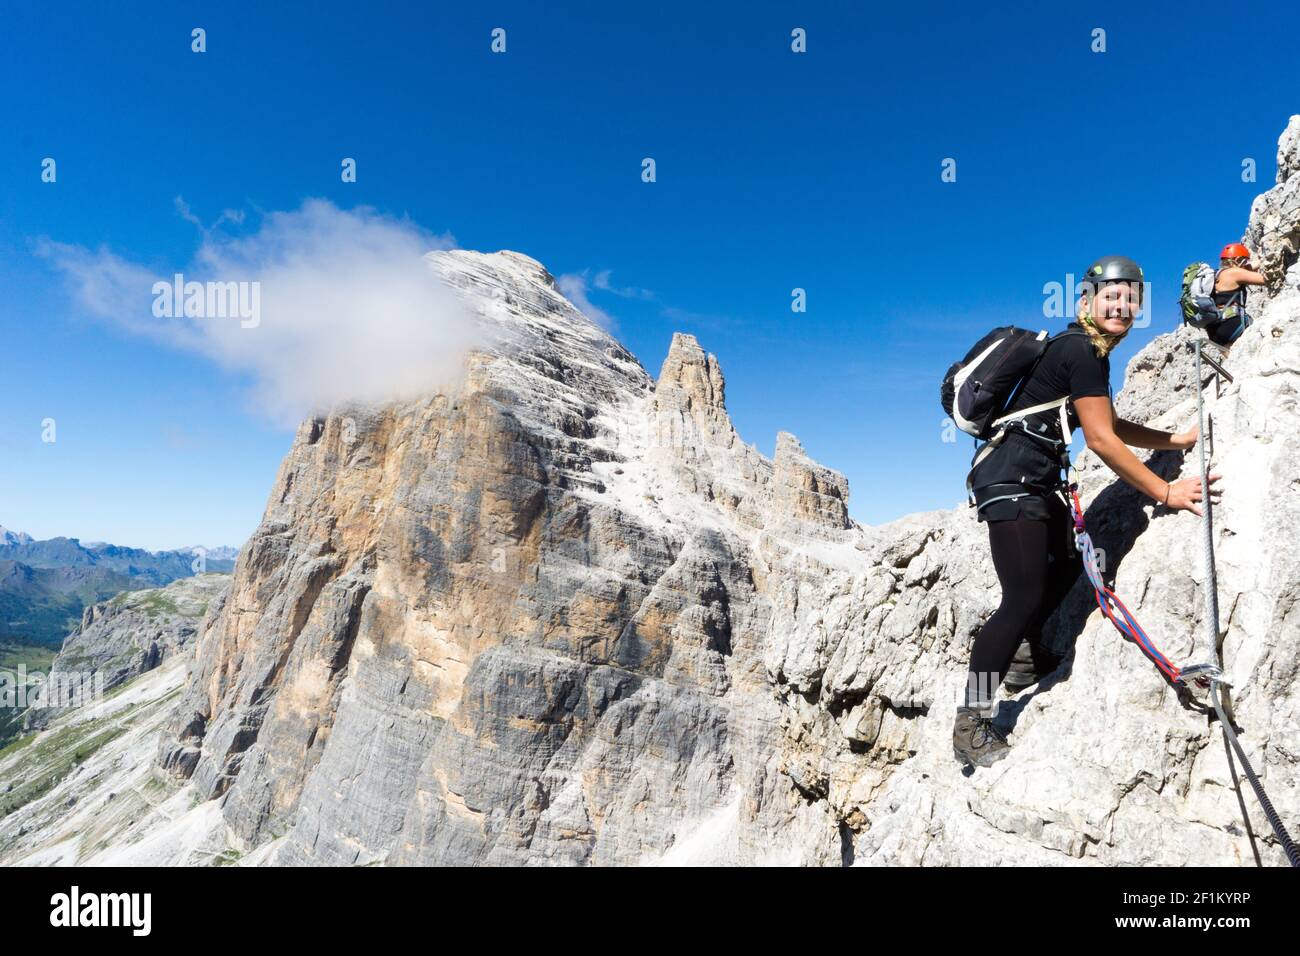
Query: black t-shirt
(1069, 366)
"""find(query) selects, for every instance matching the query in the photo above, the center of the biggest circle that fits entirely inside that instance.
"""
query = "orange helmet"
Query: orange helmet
(1234, 250)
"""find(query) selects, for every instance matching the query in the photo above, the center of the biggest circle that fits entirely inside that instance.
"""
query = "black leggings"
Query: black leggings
(1037, 564)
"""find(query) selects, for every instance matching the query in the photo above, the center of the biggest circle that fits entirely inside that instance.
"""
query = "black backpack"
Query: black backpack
(977, 390)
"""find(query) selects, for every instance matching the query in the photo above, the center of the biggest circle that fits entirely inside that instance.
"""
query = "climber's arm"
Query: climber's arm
(1097, 418)
(1235, 277)
(1139, 436)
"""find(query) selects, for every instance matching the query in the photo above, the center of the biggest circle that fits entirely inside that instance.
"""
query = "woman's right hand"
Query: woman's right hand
(1186, 492)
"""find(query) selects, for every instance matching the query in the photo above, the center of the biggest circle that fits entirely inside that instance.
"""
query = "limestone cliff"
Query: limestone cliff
(521, 622)
(130, 634)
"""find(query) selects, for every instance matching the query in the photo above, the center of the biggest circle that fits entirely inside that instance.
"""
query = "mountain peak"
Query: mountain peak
(690, 388)
(14, 537)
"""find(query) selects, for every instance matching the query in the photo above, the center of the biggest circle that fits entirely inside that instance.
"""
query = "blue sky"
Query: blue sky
(774, 171)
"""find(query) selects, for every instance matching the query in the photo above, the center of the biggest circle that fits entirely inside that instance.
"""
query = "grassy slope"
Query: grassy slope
(33, 658)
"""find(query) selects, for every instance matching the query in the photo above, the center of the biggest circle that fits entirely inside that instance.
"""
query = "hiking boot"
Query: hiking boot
(977, 741)
(1022, 673)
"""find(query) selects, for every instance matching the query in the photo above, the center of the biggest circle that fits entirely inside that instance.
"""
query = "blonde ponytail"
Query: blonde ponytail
(1103, 343)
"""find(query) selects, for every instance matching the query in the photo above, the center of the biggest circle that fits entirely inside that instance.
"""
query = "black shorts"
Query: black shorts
(1229, 330)
(1037, 504)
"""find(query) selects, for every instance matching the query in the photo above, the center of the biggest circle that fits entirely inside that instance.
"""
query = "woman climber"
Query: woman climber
(1017, 491)
(1231, 282)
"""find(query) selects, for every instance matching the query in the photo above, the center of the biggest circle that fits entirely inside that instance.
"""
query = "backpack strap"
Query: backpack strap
(1025, 412)
(1028, 375)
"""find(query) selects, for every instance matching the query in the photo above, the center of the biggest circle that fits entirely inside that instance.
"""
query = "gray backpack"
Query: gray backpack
(1197, 300)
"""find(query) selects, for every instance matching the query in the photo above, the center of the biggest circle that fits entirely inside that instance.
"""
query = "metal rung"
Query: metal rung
(1217, 367)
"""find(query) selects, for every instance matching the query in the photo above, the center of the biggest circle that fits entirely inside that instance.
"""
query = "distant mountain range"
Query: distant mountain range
(8, 537)
(45, 585)
(222, 553)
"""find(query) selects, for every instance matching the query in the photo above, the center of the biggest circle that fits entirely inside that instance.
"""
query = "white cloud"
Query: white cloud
(574, 286)
(577, 287)
(601, 281)
(349, 309)
(227, 215)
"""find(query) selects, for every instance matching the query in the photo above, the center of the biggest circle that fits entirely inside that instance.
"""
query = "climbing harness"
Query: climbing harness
(1005, 425)
(1207, 672)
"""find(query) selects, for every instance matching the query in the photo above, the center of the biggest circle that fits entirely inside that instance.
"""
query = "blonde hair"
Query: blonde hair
(1103, 343)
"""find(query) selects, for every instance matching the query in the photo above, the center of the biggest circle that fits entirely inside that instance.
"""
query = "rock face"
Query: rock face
(1273, 235)
(563, 614)
(519, 623)
(131, 634)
